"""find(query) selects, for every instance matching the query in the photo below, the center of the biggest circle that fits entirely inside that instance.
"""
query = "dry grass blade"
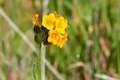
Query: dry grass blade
(16, 29)
(104, 77)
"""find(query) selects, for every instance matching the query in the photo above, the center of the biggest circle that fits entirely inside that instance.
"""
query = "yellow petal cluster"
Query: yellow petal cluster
(35, 19)
(56, 38)
(61, 25)
(56, 24)
(48, 21)
(54, 21)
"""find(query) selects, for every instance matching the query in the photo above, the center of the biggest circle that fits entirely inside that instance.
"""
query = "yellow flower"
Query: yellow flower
(48, 21)
(36, 20)
(61, 25)
(56, 38)
(56, 25)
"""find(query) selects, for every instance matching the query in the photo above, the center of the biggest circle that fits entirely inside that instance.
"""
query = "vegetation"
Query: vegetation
(93, 45)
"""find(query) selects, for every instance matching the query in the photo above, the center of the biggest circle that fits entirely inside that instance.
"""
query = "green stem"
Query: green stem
(43, 54)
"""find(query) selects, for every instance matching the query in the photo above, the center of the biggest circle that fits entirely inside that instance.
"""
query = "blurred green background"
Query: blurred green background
(93, 45)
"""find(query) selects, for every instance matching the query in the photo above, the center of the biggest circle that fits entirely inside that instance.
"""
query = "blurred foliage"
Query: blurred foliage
(94, 40)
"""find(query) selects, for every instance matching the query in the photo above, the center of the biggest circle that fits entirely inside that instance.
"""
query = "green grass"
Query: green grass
(102, 15)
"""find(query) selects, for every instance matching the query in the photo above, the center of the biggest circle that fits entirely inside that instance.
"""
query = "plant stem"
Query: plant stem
(43, 54)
